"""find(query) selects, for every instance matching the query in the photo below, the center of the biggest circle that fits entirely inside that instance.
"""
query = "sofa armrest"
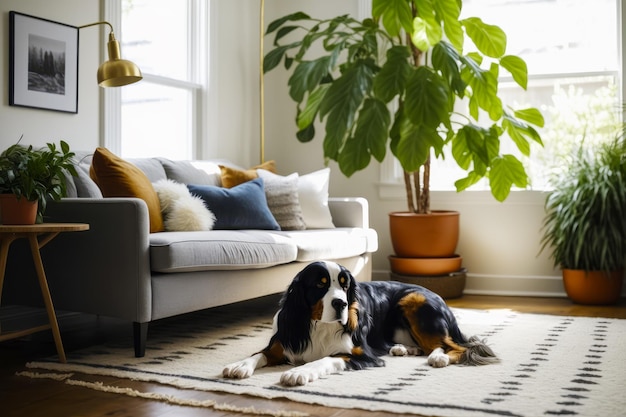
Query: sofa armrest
(349, 211)
(105, 270)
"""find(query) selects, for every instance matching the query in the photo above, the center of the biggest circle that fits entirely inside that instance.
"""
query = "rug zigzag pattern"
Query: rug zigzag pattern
(550, 366)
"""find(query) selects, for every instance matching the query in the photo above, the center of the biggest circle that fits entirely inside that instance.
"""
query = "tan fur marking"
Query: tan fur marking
(317, 310)
(357, 351)
(275, 354)
(353, 316)
(410, 306)
(453, 350)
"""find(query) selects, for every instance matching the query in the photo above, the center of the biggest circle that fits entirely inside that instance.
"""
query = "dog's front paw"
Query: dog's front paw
(239, 370)
(438, 358)
(311, 371)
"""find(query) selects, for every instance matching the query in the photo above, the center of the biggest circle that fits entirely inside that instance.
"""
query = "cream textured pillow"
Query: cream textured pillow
(282, 199)
(313, 195)
(181, 210)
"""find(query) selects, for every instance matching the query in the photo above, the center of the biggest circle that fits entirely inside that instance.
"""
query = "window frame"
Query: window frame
(199, 23)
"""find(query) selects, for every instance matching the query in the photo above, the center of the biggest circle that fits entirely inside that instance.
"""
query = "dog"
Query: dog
(328, 323)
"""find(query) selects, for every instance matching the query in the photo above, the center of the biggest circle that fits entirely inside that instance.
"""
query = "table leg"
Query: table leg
(47, 298)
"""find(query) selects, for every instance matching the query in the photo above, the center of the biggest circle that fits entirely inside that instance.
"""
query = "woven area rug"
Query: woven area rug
(551, 365)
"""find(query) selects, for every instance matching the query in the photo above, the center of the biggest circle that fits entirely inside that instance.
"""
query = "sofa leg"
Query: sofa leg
(140, 336)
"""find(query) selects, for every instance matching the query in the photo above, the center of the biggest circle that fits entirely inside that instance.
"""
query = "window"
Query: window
(159, 115)
(573, 57)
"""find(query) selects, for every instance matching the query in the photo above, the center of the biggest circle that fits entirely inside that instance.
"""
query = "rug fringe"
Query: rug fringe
(40, 375)
(170, 399)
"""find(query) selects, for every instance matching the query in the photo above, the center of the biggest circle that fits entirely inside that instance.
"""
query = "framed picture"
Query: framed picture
(43, 63)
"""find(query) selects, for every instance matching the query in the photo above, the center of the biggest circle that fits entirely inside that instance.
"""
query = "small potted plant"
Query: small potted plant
(585, 225)
(29, 177)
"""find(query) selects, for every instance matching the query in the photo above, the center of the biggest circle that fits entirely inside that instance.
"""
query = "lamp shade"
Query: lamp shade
(117, 72)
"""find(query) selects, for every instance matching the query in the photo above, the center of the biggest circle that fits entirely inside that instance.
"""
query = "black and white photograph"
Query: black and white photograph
(44, 64)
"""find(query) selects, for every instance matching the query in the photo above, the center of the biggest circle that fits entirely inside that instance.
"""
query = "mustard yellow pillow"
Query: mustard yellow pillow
(232, 176)
(119, 178)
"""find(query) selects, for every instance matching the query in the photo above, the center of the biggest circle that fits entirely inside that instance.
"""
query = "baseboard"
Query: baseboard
(512, 285)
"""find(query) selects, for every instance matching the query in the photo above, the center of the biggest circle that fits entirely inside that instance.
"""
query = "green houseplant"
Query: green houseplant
(395, 81)
(35, 175)
(585, 225)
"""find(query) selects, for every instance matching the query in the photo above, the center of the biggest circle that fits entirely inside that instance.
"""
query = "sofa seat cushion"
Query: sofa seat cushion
(219, 250)
(337, 243)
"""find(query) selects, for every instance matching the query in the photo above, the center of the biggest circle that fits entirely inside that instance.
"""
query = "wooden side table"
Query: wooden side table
(38, 236)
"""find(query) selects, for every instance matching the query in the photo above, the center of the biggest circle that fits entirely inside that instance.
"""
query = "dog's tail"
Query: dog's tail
(477, 352)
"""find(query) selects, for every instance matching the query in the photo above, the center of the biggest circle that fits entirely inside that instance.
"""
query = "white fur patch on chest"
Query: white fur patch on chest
(326, 339)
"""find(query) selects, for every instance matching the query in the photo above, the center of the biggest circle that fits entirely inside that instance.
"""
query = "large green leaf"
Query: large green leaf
(446, 59)
(414, 145)
(426, 101)
(391, 79)
(372, 128)
(396, 15)
(518, 69)
(505, 172)
(531, 115)
(489, 39)
(274, 25)
(449, 11)
(341, 103)
(427, 32)
(307, 116)
(307, 76)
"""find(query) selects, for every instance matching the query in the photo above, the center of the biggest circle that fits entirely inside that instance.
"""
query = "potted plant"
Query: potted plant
(29, 177)
(396, 80)
(585, 225)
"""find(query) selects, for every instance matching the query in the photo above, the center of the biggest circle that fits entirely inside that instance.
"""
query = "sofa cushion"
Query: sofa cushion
(119, 178)
(241, 207)
(219, 250)
(336, 243)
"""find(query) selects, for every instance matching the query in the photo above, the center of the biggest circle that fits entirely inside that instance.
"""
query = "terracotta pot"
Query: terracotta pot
(593, 287)
(425, 266)
(433, 235)
(15, 210)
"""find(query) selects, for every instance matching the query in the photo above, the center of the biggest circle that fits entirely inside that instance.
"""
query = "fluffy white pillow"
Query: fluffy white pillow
(181, 210)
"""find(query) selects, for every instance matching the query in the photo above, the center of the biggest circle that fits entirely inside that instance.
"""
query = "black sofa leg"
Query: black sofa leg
(140, 336)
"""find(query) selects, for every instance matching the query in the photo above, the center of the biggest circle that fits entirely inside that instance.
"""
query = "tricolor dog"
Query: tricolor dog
(328, 323)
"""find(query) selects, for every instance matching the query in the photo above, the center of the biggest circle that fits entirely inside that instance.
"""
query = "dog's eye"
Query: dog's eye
(322, 283)
(343, 281)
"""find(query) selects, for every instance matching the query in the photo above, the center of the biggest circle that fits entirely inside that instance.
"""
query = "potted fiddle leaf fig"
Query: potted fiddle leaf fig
(396, 81)
(585, 225)
(29, 177)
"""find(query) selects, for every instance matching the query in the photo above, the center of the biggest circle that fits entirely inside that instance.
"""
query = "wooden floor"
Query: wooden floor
(21, 396)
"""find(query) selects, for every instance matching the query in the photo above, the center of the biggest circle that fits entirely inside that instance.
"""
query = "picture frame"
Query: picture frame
(43, 63)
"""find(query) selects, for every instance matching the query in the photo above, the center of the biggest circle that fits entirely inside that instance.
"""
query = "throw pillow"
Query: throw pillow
(282, 199)
(241, 207)
(233, 176)
(185, 173)
(181, 210)
(313, 195)
(119, 178)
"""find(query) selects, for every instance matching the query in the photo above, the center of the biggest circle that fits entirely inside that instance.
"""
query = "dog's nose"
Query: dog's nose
(338, 304)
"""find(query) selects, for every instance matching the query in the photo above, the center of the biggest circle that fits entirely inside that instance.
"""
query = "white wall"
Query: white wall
(499, 242)
(82, 130)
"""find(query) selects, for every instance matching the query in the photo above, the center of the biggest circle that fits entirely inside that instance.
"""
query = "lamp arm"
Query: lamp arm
(104, 22)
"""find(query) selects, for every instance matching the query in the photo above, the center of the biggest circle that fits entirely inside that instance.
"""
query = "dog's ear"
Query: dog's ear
(294, 317)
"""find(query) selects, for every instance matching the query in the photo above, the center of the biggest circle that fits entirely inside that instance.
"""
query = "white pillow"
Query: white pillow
(181, 210)
(313, 196)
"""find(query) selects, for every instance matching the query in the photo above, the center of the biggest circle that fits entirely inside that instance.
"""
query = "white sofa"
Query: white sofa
(119, 269)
